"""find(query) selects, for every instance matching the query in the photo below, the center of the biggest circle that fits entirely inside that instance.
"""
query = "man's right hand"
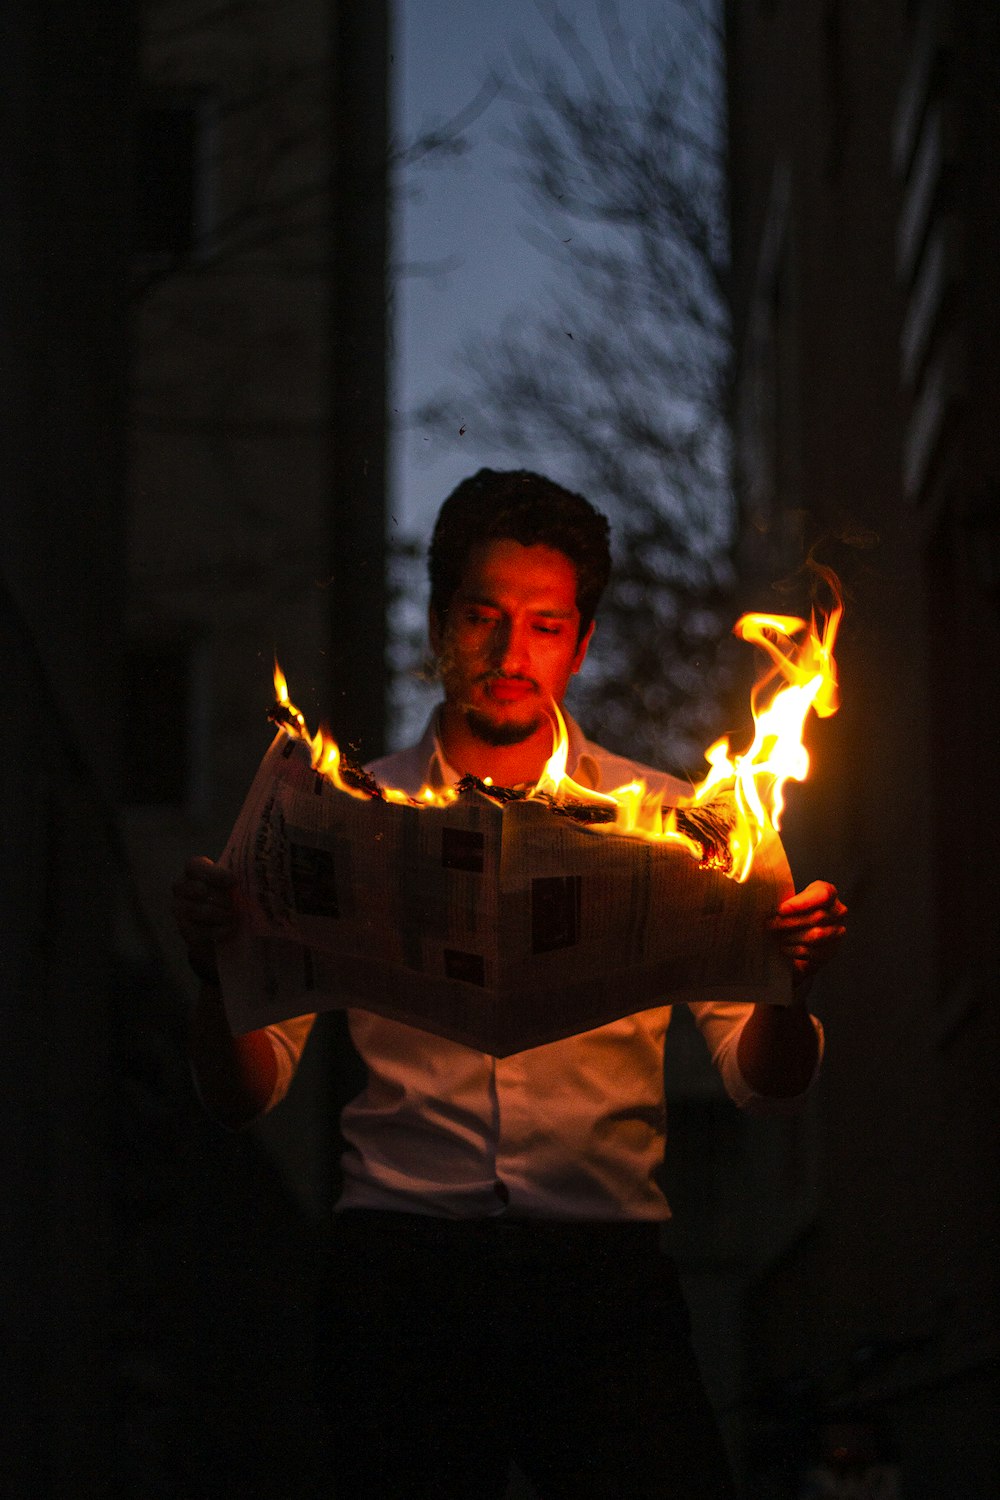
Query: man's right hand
(204, 909)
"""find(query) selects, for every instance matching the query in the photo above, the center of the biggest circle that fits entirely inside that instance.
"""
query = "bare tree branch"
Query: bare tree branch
(625, 371)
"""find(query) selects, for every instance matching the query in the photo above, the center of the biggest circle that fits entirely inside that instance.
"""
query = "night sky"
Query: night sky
(462, 259)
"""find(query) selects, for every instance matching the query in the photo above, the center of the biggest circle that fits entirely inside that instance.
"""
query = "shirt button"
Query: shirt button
(501, 1191)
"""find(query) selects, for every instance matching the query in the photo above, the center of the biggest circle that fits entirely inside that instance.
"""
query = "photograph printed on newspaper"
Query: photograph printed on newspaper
(499, 926)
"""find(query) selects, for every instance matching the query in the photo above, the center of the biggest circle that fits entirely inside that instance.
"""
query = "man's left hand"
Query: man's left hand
(809, 927)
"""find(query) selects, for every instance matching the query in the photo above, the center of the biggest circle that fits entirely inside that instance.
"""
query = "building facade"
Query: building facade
(192, 309)
(866, 229)
(257, 473)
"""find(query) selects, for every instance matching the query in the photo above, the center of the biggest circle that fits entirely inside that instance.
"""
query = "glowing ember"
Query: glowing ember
(741, 799)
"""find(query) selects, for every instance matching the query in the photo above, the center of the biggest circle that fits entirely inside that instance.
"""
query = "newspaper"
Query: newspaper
(499, 926)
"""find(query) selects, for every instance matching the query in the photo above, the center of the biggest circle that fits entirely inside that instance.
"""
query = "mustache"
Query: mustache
(506, 677)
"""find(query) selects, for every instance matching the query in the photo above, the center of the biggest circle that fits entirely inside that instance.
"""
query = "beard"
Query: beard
(501, 732)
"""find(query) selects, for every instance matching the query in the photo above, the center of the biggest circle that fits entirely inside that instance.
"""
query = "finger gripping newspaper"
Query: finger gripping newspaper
(502, 927)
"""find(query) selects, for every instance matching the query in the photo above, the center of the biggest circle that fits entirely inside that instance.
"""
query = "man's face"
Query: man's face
(509, 644)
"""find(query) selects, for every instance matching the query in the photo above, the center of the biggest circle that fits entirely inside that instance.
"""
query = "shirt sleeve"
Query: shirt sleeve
(720, 1023)
(287, 1039)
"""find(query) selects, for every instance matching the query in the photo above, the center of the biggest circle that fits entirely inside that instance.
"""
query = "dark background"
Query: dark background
(193, 450)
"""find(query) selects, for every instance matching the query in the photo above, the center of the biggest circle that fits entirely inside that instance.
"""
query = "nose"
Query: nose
(509, 654)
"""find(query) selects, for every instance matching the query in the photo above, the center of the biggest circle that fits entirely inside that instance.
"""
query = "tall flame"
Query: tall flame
(556, 782)
(802, 677)
(742, 797)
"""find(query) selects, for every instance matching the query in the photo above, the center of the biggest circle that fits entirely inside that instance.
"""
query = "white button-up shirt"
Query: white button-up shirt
(571, 1130)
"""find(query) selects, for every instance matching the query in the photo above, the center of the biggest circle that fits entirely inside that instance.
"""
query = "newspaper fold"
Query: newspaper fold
(501, 927)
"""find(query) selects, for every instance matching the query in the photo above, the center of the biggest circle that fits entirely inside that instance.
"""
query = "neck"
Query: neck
(506, 765)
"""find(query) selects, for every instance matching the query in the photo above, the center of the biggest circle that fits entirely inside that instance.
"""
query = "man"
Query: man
(496, 1287)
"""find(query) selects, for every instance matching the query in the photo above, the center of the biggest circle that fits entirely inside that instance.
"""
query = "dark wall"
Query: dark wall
(865, 218)
(156, 1320)
(67, 79)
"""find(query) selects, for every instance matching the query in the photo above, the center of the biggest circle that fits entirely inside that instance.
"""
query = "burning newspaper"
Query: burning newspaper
(502, 925)
(506, 920)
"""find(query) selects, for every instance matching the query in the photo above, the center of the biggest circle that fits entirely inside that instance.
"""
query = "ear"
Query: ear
(581, 650)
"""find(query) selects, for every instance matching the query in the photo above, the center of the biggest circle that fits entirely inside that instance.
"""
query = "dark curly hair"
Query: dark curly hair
(514, 504)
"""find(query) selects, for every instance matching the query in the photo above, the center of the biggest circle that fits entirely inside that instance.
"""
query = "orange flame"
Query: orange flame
(326, 757)
(741, 799)
(554, 780)
(743, 793)
(802, 677)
